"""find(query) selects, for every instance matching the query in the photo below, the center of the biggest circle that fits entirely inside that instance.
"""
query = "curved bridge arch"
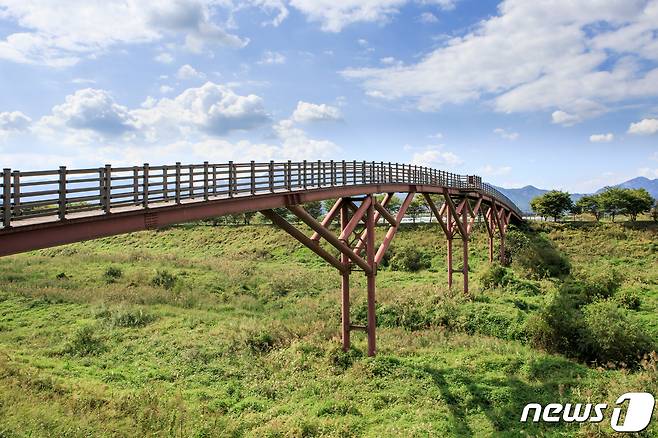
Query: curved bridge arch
(48, 208)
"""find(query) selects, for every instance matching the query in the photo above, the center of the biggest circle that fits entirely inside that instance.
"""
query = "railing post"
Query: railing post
(165, 184)
(214, 180)
(230, 179)
(344, 177)
(6, 197)
(177, 182)
(354, 172)
(363, 172)
(320, 172)
(304, 175)
(289, 176)
(145, 183)
(205, 180)
(106, 181)
(61, 210)
(17, 192)
(252, 175)
(136, 185)
(332, 177)
(271, 176)
(190, 171)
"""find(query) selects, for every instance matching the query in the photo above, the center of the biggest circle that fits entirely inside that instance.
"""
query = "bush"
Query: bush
(409, 259)
(495, 276)
(131, 318)
(599, 332)
(629, 299)
(164, 279)
(112, 273)
(613, 335)
(499, 276)
(84, 342)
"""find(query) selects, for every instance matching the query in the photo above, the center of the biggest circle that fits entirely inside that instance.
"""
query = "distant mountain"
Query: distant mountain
(650, 185)
(522, 197)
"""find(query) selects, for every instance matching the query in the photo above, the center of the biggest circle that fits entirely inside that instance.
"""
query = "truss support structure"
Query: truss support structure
(354, 238)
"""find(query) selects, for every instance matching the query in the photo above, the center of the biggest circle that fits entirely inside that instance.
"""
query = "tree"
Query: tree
(591, 204)
(654, 212)
(416, 208)
(314, 208)
(327, 204)
(552, 204)
(638, 201)
(394, 204)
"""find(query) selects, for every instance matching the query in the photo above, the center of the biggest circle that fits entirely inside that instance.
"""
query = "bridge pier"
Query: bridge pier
(345, 282)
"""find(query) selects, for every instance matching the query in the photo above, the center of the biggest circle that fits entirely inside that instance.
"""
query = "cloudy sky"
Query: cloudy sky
(555, 93)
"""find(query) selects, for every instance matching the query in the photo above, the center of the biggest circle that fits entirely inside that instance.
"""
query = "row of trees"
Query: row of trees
(613, 201)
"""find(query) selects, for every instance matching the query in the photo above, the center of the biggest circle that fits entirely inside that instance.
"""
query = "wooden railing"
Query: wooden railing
(66, 191)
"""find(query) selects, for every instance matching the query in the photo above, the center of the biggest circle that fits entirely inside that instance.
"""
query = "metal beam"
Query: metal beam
(328, 236)
(392, 230)
(301, 237)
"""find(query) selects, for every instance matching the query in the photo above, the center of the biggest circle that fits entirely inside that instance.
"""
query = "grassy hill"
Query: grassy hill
(233, 331)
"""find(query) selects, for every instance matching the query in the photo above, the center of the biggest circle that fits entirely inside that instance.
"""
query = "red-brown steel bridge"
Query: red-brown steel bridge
(41, 209)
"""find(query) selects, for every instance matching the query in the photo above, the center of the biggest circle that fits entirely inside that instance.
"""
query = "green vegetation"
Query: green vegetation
(613, 201)
(202, 330)
(552, 204)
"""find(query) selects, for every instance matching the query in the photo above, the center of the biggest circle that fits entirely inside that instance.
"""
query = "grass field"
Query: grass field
(198, 331)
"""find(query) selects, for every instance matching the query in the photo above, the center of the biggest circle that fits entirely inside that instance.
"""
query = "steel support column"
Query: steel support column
(449, 244)
(465, 248)
(345, 284)
(370, 257)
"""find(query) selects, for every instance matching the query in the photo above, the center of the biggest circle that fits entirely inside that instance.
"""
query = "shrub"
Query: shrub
(164, 279)
(131, 318)
(613, 335)
(112, 273)
(629, 299)
(409, 259)
(558, 327)
(495, 276)
(84, 342)
(499, 276)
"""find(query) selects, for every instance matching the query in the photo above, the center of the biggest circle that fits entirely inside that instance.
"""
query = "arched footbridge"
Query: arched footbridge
(47, 208)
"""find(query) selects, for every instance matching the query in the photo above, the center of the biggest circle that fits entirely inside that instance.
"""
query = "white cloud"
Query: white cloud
(428, 18)
(297, 145)
(435, 156)
(273, 5)
(60, 33)
(270, 57)
(164, 58)
(311, 112)
(187, 72)
(14, 121)
(574, 59)
(91, 110)
(506, 134)
(644, 127)
(602, 138)
(166, 89)
(489, 170)
(90, 115)
(212, 109)
(564, 118)
(648, 172)
(334, 15)
(437, 136)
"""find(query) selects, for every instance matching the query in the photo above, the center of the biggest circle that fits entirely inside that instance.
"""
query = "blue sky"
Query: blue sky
(558, 94)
